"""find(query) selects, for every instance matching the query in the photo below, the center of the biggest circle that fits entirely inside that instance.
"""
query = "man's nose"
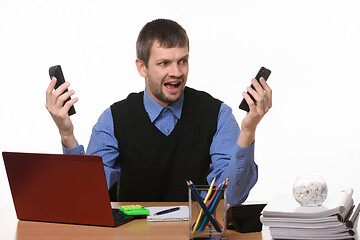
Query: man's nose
(175, 71)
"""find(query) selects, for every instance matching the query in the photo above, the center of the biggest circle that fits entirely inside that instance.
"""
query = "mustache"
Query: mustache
(181, 78)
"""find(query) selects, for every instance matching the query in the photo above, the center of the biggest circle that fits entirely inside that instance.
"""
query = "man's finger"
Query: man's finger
(257, 86)
(249, 101)
(61, 89)
(264, 85)
(49, 99)
(253, 93)
(68, 104)
(268, 91)
(51, 86)
(63, 97)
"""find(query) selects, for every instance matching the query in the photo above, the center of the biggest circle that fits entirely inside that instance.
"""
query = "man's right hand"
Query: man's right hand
(54, 104)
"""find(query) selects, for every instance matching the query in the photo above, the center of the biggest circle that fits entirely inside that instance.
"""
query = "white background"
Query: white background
(312, 48)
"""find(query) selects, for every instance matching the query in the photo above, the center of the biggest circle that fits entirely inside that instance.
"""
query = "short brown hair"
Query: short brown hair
(167, 32)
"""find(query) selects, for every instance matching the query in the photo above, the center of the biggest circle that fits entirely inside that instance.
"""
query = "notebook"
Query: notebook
(60, 188)
(181, 215)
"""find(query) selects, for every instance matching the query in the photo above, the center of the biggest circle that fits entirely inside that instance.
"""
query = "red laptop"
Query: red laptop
(60, 188)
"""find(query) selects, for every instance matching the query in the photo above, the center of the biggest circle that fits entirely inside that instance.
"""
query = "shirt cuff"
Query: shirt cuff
(78, 150)
(244, 156)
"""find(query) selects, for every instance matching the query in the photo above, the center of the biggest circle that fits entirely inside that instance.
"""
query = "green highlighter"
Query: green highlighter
(132, 210)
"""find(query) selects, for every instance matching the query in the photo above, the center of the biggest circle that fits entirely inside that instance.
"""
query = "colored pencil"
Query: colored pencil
(208, 204)
(205, 200)
(214, 204)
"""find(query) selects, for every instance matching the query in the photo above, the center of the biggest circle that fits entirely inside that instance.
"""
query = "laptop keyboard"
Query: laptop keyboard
(120, 218)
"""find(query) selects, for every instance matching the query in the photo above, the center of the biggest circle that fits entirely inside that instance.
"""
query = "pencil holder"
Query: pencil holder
(207, 212)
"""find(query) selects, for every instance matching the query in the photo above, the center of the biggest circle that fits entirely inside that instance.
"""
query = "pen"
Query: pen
(167, 211)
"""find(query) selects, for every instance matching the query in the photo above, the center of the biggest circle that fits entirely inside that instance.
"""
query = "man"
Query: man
(152, 141)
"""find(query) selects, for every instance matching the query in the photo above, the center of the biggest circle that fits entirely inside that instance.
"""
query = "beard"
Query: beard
(159, 91)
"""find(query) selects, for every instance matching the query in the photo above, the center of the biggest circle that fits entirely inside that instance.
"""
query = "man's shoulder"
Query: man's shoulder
(199, 95)
(201, 102)
(132, 97)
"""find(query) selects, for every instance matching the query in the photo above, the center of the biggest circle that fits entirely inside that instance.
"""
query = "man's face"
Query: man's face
(166, 73)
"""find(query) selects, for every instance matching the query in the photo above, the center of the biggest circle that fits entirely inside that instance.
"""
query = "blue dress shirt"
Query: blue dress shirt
(227, 158)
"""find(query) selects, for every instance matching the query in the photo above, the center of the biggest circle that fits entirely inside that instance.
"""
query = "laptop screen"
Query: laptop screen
(59, 188)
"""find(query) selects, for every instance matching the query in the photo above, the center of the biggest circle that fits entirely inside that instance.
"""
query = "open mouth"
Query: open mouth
(172, 87)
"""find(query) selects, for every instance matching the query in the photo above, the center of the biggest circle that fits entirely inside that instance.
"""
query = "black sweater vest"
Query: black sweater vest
(154, 166)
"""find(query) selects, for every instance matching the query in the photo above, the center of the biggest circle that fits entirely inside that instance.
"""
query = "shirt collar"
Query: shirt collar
(153, 108)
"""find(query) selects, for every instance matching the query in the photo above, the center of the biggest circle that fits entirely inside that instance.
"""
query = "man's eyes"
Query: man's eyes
(182, 61)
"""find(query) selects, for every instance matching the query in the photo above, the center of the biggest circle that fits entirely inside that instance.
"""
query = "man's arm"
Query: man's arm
(104, 143)
(54, 104)
(230, 160)
(237, 163)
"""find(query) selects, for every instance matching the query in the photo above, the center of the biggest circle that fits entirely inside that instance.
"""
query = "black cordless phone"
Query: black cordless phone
(55, 71)
(263, 72)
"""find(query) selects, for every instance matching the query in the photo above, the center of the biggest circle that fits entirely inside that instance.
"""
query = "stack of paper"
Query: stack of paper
(288, 220)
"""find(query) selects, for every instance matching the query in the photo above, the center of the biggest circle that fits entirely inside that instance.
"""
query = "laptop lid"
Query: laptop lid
(59, 188)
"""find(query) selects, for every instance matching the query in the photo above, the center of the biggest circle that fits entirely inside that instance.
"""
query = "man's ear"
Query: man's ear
(141, 67)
